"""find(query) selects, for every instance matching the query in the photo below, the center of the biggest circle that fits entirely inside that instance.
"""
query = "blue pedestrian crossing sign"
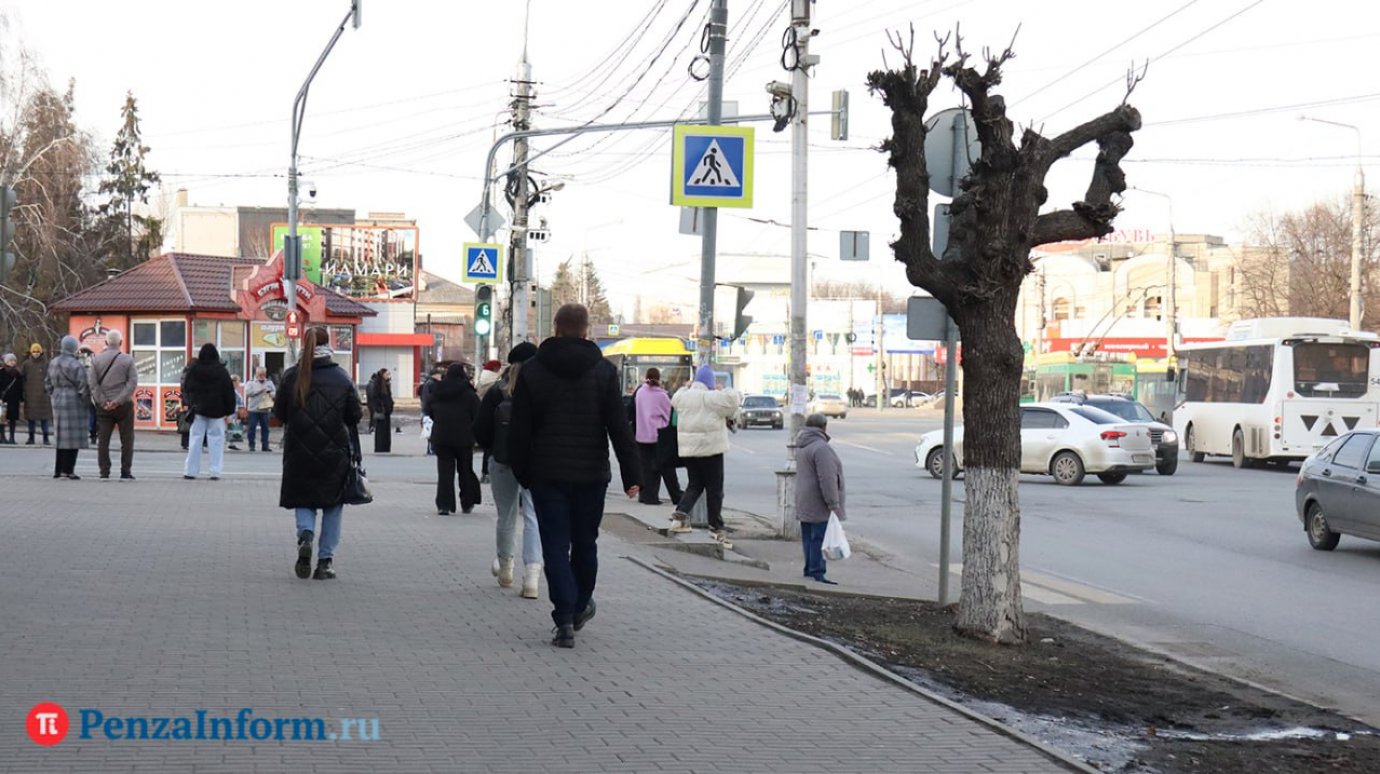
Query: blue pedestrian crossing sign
(483, 263)
(711, 166)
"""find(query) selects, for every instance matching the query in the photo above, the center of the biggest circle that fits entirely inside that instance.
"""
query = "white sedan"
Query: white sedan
(1064, 441)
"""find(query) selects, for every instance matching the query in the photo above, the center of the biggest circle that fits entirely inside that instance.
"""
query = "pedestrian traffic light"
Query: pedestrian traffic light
(483, 310)
(8, 199)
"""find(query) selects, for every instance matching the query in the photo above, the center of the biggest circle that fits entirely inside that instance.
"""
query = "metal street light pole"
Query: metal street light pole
(1358, 210)
(292, 246)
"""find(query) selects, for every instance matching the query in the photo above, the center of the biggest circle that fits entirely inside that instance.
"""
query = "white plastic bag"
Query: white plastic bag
(835, 542)
(426, 428)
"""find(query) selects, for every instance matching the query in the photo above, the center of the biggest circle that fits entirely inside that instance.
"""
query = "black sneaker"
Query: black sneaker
(303, 566)
(324, 570)
(105, 476)
(564, 636)
(126, 476)
(583, 617)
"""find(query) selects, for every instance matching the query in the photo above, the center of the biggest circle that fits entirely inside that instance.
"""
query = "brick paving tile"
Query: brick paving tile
(166, 597)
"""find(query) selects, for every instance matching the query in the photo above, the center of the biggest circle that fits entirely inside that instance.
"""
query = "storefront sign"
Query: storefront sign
(171, 401)
(144, 408)
(268, 336)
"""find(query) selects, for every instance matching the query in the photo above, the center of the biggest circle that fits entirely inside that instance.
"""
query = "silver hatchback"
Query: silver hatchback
(1338, 490)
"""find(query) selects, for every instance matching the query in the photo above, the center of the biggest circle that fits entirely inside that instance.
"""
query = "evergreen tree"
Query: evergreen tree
(594, 297)
(564, 288)
(132, 237)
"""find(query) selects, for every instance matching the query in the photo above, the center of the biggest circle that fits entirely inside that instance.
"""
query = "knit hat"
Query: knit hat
(36, 349)
(705, 376)
(493, 365)
(523, 351)
(69, 345)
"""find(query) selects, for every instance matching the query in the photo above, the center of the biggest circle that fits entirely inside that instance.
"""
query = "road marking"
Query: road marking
(1051, 590)
(744, 449)
(864, 448)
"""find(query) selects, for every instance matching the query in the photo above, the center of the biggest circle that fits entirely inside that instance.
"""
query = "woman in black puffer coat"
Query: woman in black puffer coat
(320, 411)
(453, 407)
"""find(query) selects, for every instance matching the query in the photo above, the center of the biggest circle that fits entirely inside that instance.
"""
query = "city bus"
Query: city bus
(633, 356)
(1276, 390)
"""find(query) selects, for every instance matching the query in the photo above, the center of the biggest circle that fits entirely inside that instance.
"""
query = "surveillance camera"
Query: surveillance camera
(779, 89)
(311, 190)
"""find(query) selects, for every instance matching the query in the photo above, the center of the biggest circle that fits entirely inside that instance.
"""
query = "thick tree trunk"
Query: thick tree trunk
(990, 601)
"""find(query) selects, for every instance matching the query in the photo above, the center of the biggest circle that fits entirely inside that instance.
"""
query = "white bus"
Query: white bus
(1276, 390)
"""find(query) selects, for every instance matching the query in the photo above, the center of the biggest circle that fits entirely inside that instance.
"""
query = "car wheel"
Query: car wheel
(1112, 478)
(1167, 467)
(1320, 536)
(934, 463)
(844, 415)
(1238, 451)
(1067, 469)
(1191, 443)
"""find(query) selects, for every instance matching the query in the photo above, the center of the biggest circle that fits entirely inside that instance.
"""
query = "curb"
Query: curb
(877, 670)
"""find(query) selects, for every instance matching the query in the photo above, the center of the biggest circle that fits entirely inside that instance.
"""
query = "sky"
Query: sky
(403, 112)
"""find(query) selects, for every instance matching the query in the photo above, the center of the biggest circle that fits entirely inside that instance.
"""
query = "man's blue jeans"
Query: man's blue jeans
(568, 515)
(330, 527)
(258, 419)
(812, 540)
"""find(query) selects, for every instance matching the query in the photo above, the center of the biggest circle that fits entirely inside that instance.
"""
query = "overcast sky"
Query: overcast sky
(403, 112)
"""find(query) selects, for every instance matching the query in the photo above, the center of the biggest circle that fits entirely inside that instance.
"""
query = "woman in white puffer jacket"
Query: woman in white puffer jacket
(702, 415)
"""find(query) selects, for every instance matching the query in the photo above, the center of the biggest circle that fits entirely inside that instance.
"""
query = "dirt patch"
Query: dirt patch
(1115, 706)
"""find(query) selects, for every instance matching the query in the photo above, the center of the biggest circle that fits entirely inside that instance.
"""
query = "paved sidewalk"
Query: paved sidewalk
(164, 597)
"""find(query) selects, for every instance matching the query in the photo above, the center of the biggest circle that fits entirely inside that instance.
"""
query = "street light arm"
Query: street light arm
(299, 105)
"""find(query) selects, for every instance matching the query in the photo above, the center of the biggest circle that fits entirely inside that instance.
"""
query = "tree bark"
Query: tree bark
(990, 600)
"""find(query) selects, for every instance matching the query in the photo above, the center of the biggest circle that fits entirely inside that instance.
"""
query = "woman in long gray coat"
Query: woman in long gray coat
(71, 395)
(818, 491)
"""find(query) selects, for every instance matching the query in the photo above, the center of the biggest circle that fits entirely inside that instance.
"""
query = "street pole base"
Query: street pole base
(788, 526)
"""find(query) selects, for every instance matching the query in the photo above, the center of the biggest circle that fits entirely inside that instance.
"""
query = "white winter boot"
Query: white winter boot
(503, 568)
(530, 581)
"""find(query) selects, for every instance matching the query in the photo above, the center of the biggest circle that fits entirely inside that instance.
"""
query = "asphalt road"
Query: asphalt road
(1210, 565)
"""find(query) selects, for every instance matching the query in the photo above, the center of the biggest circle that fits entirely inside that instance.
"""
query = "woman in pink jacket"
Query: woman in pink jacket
(652, 409)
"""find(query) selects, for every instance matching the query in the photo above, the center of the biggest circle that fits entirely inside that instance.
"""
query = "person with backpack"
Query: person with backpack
(492, 433)
(652, 412)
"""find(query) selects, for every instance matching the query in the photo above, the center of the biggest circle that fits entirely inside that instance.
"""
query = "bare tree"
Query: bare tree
(996, 221)
(1299, 263)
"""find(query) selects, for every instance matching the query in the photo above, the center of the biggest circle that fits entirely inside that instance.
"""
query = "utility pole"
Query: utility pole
(292, 246)
(718, 35)
(517, 247)
(800, 287)
(1358, 214)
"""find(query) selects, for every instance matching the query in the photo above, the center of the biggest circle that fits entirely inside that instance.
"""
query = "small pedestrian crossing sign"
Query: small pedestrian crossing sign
(483, 263)
(711, 166)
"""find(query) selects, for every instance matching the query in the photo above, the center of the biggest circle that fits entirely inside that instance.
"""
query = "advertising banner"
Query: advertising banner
(364, 262)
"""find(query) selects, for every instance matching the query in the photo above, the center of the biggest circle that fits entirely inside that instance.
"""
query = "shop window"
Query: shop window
(170, 365)
(145, 334)
(172, 333)
(160, 350)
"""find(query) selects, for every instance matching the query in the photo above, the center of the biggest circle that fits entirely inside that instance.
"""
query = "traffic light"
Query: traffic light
(8, 199)
(740, 320)
(483, 310)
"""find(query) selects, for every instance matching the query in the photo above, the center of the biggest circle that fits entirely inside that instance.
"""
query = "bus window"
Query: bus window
(1331, 370)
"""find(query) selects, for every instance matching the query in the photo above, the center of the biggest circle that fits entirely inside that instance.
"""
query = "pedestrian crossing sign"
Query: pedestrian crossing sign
(483, 263)
(711, 166)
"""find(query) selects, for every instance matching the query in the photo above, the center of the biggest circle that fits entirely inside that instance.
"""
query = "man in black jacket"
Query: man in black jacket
(211, 395)
(566, 410)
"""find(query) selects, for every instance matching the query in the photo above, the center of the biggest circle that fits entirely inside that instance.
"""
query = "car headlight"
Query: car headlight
(1170, 437)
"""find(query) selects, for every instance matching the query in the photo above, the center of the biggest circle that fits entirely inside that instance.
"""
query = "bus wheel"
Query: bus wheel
(1191, 443)
(1238, 451)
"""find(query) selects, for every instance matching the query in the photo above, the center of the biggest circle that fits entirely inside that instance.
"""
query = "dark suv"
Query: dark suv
(1165, 440)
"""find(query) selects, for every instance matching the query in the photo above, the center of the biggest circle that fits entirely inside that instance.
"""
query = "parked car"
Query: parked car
(1063, 440)
(1338, 490)
(830, 404)
(1165, 440)
(760, 410)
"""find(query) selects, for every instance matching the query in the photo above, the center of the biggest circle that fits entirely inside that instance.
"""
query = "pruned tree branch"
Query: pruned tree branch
(1133, 79)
